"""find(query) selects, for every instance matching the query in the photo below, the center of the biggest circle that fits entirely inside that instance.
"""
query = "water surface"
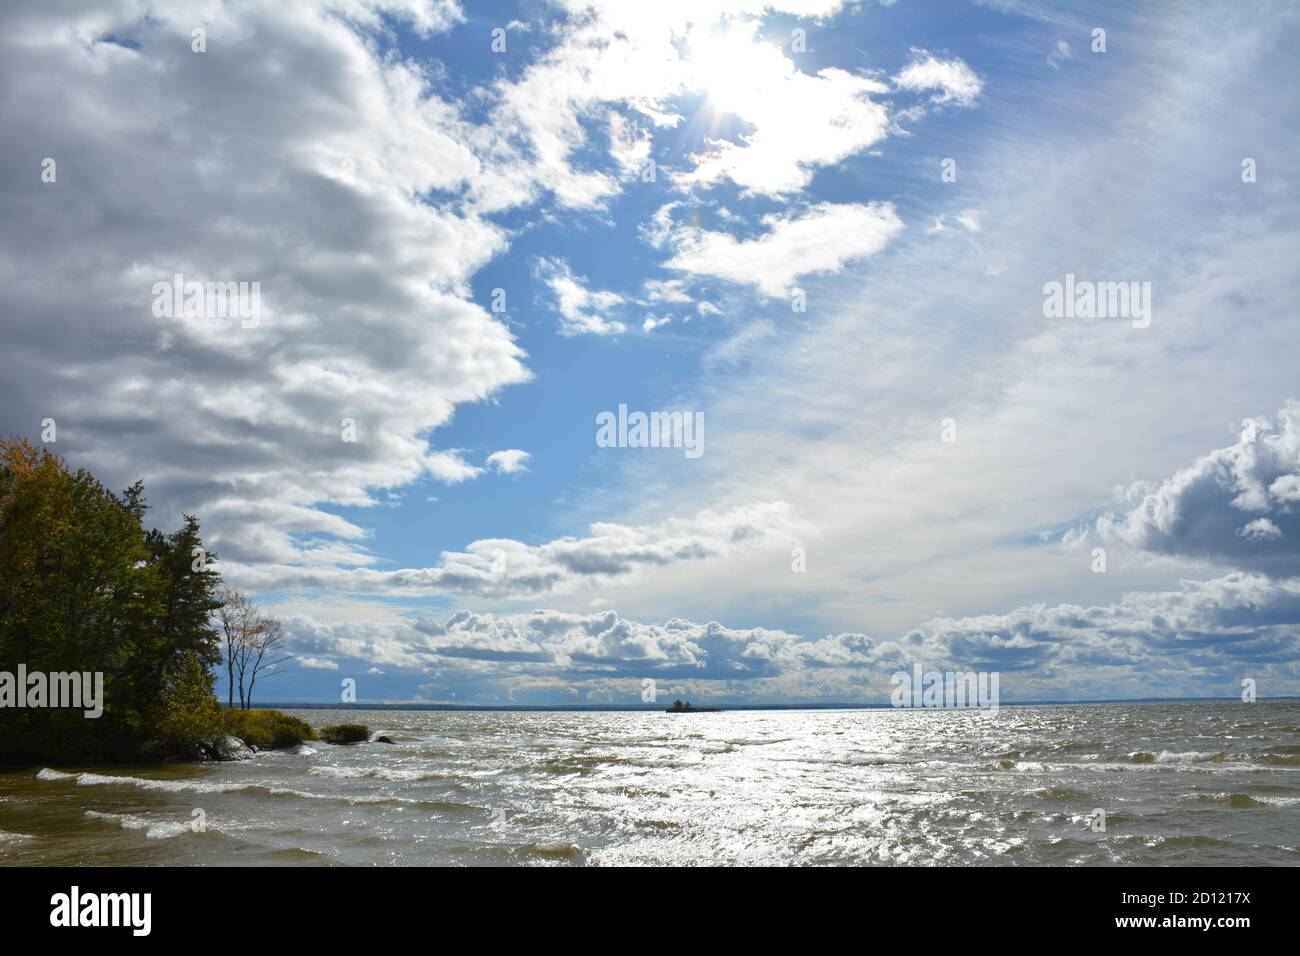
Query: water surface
(1180, 783)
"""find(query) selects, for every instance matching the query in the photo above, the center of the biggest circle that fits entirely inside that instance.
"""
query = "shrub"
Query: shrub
(267, 729)
(345, 733)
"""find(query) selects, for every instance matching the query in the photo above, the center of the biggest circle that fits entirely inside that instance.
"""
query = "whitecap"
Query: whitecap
(145, 783)
(154, 830)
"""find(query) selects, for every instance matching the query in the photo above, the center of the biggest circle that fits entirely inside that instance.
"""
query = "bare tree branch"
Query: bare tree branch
(263, 648)
(238, 617)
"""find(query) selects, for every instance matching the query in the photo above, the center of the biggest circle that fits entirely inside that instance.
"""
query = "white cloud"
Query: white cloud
(968, 219)
(317, 663)
(1261, 529)
(1148, 644)
(612, 58)
(822, 239)
(504, 568)
(579, 307)
(841, 415)
(799, 121)
(629, 146)
(952, 80)
(1060, 53)
(300, 169)
(509, 461)
(672, 291)
(1234, 505)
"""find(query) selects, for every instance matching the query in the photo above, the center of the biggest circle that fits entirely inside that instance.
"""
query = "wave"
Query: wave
(552, 851)
(1186, 756)
(1063, 794)
(199, 786)
(1176, 841)
(876, 761)
(7, 837)
(154, 830)
(1238, 801)
(1241, 801)
(438, 806)
(584, 762)
(144, 783)
(1281, 759)
(758, 741)
(297, 750)
(381, 773)
(1190, 756)
(296, 854)
(1030, 766)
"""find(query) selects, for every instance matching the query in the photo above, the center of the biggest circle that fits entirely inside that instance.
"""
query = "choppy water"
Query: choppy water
(1180, 783)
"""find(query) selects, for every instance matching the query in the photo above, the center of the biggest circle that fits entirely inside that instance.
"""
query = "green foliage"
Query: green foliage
(345, 733)
(84, 587)
(190, 722)
(266, 729)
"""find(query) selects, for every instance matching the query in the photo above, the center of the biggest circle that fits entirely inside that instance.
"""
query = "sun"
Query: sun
(735, 71)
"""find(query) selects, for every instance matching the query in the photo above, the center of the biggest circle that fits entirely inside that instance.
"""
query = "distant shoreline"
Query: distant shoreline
(607, 708)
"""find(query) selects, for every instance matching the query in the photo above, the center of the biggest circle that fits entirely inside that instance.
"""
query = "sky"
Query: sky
(824, 232)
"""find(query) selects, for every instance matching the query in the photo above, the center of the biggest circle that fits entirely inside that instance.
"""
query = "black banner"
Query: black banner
(335, 905)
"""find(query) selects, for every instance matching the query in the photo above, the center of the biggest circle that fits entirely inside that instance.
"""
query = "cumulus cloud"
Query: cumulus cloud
(505, 568)
(951, 81)
(1236, 625)
(821, 239)
(339, 175)
(316, 663)
(605, 58)
(797, 121)
(298, 167)
(671, 291)
(1145, 644)
(616, 63)
(509, 461)
(550, 643)
(1260, 529)
(1237, 506)
(628, 146)
(578, 306)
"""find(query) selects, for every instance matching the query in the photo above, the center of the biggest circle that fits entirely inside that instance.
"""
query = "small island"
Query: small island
(685, 708)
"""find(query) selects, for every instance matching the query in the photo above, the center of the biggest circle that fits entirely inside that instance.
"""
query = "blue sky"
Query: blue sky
(381, 171)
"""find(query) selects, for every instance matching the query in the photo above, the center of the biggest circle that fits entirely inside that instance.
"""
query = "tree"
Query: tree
(84, 587)
(252, 644)
(262, 656)
(237, 616)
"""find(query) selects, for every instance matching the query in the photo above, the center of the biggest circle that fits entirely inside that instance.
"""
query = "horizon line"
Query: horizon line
(613, 708)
